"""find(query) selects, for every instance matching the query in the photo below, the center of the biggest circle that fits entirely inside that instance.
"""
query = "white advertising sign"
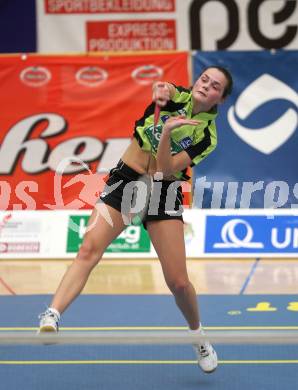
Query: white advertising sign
(134, 25)
(208, 233)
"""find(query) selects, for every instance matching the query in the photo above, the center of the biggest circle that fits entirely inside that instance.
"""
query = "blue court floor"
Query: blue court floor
(245, 367)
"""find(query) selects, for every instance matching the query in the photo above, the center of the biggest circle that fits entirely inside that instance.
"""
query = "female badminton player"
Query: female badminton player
(183, 135)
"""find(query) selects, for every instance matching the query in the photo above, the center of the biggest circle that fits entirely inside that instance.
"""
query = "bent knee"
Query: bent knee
(178, 286)
(89, 253)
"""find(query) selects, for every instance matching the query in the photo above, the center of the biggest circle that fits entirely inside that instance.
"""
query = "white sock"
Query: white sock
(197, 332)
(56, 312)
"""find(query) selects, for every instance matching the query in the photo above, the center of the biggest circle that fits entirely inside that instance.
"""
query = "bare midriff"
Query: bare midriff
(141, 161)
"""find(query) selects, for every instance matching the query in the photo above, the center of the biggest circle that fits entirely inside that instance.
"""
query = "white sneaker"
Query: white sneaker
(207, 357)
(49, 321)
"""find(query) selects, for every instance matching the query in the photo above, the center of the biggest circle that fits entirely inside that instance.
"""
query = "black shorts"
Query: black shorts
(140, 198)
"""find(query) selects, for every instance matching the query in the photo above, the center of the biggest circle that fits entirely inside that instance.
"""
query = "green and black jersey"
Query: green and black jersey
(198, 141)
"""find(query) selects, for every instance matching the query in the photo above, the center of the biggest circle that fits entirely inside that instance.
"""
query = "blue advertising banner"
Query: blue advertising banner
(251, 234)
(255, 162)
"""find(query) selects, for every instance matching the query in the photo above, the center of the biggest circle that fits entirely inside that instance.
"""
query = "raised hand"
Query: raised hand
(161, 93)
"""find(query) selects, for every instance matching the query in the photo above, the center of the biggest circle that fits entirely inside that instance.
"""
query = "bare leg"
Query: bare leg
(168, 239)
(98, 236)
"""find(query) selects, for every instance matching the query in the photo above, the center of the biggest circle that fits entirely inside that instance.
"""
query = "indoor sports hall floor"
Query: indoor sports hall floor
(251, 294)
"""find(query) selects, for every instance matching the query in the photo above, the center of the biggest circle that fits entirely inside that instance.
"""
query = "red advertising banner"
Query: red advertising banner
(65, 120)
(131, 35)
(107, 6)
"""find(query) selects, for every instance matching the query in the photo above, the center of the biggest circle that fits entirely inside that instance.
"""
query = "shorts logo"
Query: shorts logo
(185, 142)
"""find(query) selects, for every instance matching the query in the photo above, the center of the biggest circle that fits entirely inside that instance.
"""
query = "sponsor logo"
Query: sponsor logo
(147, 74)
(251, 234)
(19, 247)
(230, 238)
(154, 134)
(164, 118)
(265, 28)
(132, 239)
(131, 35)
(4, 221)
(36, 157)
(264, 89)
(185, 142)
(100, 6)
(182, 111)
(35, 76)
(91, 76)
